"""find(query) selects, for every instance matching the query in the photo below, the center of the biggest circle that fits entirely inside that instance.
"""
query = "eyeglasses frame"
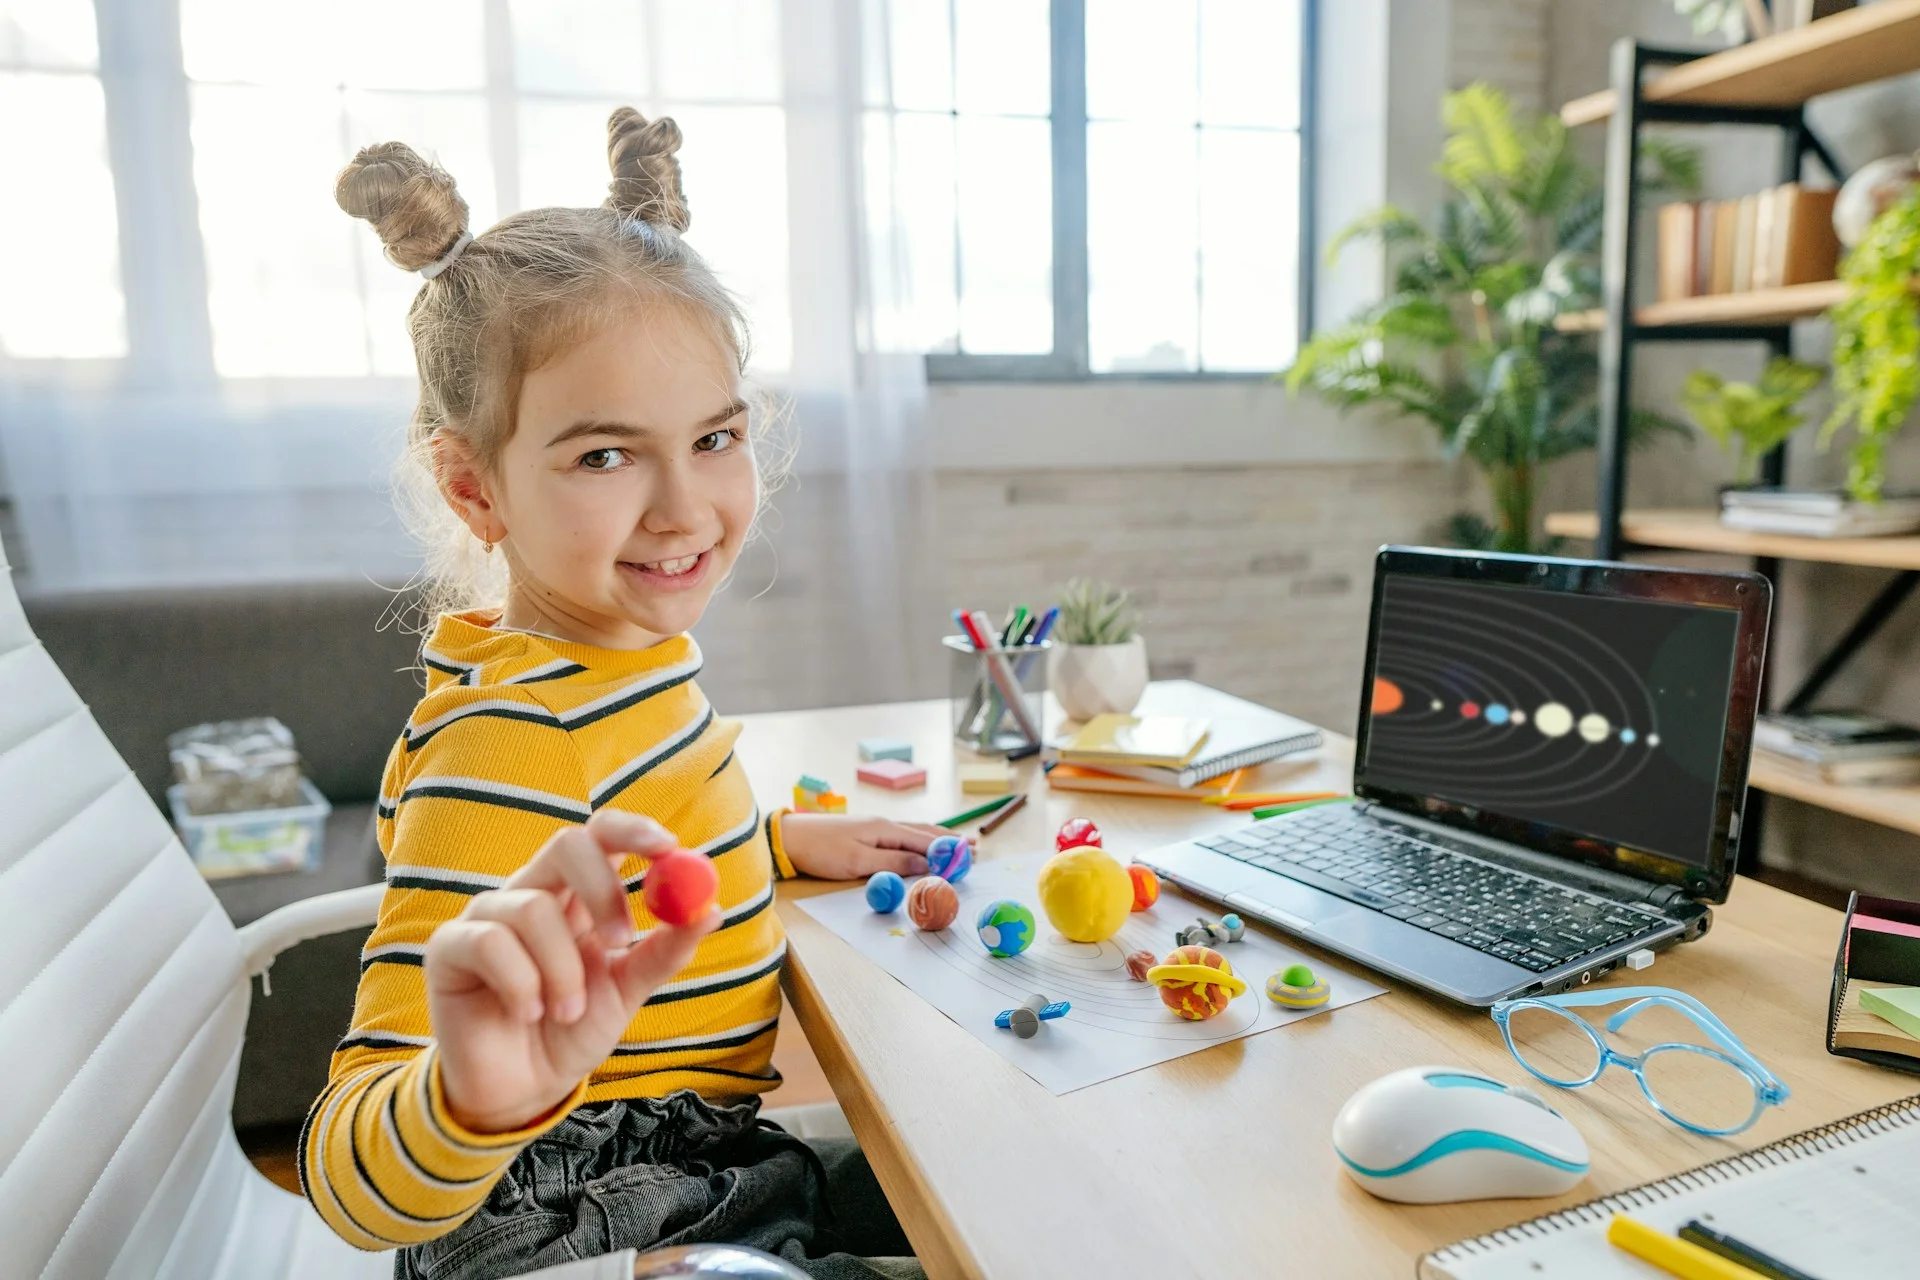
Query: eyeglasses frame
(1768, 1089)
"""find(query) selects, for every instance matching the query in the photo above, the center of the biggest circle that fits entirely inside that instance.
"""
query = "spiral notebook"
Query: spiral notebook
(1840, 1200)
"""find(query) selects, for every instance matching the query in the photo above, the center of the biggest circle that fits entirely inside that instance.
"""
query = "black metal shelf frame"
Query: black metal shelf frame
(1632, 113)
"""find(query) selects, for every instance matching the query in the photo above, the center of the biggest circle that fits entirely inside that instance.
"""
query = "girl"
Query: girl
(524, 1082)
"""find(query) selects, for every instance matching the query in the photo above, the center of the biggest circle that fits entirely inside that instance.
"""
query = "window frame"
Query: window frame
(1070, 359)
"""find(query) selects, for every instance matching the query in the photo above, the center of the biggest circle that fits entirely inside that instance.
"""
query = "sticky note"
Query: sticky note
(892, 773)
(992, 778)
(886, 749)
(1898, 1005)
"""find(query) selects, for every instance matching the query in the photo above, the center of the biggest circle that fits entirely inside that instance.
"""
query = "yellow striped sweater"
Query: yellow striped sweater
(520, 736)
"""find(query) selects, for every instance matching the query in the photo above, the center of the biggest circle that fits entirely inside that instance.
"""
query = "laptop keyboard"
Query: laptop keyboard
(1533, 923)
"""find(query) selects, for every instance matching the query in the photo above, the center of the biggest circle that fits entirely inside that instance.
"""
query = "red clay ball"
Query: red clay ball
(680, 887)
(1075, 832)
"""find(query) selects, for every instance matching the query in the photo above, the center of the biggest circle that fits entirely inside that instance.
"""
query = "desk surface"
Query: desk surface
(1168, 1171)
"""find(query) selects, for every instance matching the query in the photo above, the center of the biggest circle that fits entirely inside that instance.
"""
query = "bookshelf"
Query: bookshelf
(1896, 807)
(1757, 307)
(1857, 46)
(1702, 531)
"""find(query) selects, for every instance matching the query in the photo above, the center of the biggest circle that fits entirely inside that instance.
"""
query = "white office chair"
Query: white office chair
(123, 999)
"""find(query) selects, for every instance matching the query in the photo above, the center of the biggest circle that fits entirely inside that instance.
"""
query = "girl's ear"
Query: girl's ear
(465, 487)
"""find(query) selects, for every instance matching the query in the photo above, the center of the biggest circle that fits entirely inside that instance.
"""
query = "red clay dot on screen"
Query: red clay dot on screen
(1469, 709)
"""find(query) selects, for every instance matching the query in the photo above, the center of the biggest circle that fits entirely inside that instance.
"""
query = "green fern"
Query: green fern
(1876, 343)
(1095, 613)
(1466, 341)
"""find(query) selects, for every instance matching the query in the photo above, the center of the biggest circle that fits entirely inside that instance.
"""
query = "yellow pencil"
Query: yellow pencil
(1673, 1255)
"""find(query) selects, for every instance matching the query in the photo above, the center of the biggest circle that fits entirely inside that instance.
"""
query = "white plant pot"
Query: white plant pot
(1094, 679)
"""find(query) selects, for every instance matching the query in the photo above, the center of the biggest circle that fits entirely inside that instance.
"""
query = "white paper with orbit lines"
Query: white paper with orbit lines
(1117, 1025)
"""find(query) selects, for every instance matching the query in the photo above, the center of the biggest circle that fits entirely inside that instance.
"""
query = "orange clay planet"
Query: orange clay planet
(932, 904)
(1196, 982)
(1146, 886)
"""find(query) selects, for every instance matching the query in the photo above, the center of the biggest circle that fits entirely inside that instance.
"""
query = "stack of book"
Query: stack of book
(1766, 240)
(1844, 748)
(1175, 756)
(1817, 513)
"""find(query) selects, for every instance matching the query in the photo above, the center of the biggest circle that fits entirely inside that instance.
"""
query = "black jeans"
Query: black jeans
(654, 1172)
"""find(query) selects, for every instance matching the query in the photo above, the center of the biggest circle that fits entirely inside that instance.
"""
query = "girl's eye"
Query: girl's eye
(603, 459)
(717, 442)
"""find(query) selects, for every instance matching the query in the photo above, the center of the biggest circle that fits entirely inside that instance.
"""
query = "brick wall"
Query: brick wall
(1505, 43)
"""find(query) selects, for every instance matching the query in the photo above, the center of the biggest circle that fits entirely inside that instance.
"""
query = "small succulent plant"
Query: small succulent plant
(1096, 613)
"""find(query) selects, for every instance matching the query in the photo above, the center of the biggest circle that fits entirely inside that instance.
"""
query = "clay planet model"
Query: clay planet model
(1086, 894)
(932, 904)
(1296, 987)
(886, 891)
(1005, 927)
(1075, 832)
(1138, 962)
(950, 858)
(1196, 982)
(1146, 886)
(680, 887)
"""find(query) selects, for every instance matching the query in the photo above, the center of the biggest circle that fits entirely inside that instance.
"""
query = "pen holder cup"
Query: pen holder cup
(997, 695)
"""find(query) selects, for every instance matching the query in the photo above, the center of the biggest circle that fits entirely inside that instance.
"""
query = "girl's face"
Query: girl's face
(628, 484)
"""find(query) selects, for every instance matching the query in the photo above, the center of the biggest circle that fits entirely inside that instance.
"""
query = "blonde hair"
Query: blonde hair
(517, 296)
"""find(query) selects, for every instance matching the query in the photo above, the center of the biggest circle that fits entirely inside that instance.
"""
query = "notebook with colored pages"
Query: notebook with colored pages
(1840, 1200)
(1167, 742)
(1241, 734)
(1073, 777)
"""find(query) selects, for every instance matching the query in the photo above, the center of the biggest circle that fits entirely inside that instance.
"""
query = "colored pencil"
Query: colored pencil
(1230, 797)
(978, 811)
(1239, 804)
(1001, 818)
(1275, 810)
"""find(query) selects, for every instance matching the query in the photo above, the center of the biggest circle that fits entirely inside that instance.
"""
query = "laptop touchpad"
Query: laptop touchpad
(1284, 898)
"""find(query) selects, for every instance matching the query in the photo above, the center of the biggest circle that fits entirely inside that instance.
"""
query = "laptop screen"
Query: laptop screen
(1599, 715)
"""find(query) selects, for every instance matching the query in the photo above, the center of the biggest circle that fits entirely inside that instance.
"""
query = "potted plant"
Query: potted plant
(1098, 662)
(1876, 343)
(1465, 339)
(1748, 419)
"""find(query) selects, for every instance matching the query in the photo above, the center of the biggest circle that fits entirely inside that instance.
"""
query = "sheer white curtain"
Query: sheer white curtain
(203, 366)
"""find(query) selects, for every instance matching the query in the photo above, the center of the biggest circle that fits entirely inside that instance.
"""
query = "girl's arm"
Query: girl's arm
(401, 1147)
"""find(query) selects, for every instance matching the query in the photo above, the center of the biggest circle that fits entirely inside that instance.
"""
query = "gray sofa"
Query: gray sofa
(317, 657)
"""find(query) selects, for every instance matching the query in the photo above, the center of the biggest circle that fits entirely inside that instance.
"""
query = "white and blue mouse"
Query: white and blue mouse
(1432, 1135)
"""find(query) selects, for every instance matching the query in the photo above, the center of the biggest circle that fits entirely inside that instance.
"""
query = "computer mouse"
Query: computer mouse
(1432, 1135)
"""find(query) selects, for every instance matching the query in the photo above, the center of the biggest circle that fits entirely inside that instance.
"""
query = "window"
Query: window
(1095, 186)
(279, 95)
(60, 275)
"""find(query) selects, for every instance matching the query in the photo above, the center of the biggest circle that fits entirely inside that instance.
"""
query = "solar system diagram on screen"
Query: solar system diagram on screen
(1116, 1024)
(1501, 700)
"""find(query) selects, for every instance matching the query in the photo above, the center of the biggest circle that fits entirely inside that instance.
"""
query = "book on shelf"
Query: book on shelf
(1884, 771)
(1768, 240)
(1674, 246)
(1817, 513)
(1829, 737)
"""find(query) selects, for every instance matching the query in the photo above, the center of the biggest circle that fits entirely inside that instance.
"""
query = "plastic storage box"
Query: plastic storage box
(243, 844)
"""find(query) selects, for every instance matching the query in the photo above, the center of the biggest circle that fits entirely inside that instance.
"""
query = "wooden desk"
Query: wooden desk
(1185, 1169)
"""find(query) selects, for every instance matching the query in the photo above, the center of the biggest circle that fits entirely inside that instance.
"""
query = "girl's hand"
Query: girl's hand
(530, 987)
(832, 846)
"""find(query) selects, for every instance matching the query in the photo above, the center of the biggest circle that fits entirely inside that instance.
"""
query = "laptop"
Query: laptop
(1548, 779)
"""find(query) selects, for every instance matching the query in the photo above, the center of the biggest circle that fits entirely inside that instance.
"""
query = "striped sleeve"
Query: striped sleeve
(472, 791)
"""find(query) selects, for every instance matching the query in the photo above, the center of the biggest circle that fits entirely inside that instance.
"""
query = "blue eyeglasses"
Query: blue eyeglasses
(1716, 1089)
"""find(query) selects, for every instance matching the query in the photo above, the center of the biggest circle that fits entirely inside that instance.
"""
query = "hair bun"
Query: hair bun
(646, 177)
(411, 202)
